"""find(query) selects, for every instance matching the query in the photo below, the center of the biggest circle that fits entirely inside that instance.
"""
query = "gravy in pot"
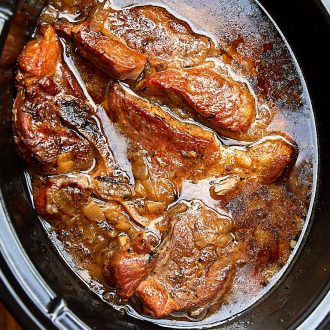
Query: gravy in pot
(179, 193)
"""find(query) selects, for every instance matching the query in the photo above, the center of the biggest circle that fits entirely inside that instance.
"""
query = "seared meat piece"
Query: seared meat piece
(55, 127)
(61, 197)
(127, 269)
(105, 50)
(41, 67)
(159, 132)
(195, 266)
(184, 150)
(267, 218)
(165, 39)
(48, 146)
(43, 141)
(271, 157)
(64, 201)
(128, 262)
(109, 181)
(217, 98)
(129, 265)
(39, 57)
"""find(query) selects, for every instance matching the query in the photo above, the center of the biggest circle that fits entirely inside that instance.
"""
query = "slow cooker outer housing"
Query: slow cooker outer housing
(42, 292)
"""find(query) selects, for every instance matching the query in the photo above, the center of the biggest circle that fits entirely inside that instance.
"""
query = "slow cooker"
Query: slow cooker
(43, 293)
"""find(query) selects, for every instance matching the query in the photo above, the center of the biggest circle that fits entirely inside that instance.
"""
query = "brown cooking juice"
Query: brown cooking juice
(270, 218)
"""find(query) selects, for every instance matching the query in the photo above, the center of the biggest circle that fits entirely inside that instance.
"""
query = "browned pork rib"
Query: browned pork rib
(165, 39)
(105, 50)
(131, 263)
(195, 266)
(61, 197)
(183, 150)
(54, 127)
(108, 179)
(46, 144)
(267, 218)
(39, 57)
(217, 98)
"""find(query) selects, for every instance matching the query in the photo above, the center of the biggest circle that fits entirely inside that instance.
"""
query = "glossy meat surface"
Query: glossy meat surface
(87, 226)
(268, 219)
(226, 103)
(55, 128)
(190, 151)
(70, 202)
(105, 50)
(42, 139)
(166, 40)
(39, 57)
(195, 266)
(129, 265)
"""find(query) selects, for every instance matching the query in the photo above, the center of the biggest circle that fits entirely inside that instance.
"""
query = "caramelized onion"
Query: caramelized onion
(155, 207)
(93, 212)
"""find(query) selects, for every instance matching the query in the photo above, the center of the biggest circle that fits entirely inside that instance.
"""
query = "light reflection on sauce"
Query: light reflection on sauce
(200, 190)
(118, 143)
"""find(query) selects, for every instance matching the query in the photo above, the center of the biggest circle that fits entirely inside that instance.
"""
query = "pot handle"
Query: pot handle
(7, 11)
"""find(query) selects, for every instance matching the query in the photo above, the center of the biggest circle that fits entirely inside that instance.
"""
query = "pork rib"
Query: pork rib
(55, 128)
(66, 201)
(105, 50)
(217, 98)
(166, 40)
(184, 150)
(44, 142)
(195, 266)
(48, 146)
